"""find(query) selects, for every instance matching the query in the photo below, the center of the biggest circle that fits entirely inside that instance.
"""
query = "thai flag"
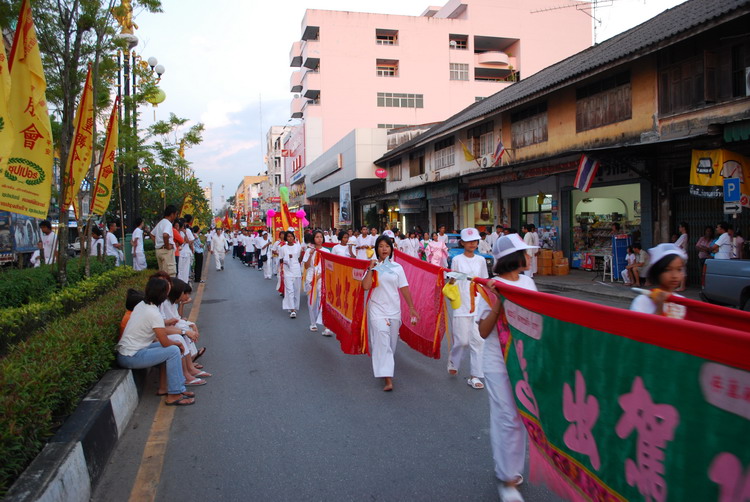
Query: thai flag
(499, 151)
(587, 168)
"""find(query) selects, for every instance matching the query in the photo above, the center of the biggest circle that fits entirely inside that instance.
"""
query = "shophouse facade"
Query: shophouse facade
(639, 103)
(247, 198)
(362, 70)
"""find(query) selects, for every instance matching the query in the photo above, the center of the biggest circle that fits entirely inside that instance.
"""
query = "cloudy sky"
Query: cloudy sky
(227, 65)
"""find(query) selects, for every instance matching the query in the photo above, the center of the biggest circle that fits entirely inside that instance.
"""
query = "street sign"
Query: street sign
(732, 190)
(732, 208)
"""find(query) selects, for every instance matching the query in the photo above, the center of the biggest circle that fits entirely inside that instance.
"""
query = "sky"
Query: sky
(227, 66)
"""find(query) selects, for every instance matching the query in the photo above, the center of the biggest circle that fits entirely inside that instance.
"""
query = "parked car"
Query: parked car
(727, 282)
(454, 250)
(19, 236)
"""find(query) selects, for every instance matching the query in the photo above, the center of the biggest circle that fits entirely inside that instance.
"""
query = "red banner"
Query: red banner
(343, 301)
(426, 283)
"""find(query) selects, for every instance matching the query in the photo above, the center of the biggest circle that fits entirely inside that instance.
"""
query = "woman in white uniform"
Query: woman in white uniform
(312, 263)
(384, 308)
(667, 272)
(265, 254)
(507, 433)
(275, 255)
(291, 260)
(343, 248)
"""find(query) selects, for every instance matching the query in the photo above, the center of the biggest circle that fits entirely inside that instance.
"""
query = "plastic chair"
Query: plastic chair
(607, 269)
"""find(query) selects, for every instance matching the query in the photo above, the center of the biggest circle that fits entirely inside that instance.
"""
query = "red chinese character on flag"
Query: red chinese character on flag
(30, 136)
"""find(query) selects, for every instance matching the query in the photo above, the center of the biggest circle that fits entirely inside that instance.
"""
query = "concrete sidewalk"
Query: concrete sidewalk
(588, 282)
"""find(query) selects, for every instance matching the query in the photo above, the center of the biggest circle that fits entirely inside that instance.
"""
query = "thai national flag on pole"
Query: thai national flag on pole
(587, 168)
(499, 151)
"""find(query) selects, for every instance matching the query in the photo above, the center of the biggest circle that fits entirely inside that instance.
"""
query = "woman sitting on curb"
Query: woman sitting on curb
(145, 343)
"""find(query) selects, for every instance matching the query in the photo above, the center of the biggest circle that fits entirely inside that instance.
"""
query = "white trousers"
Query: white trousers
(316, 313)
(507, 433)
(267, 268)
(466, 334)
(139, 261)
(184, 350)
(183, 269)
(219, 259)
(182, 324)
(275, 266)
(626, 275)
(383, 341)
(292, 290)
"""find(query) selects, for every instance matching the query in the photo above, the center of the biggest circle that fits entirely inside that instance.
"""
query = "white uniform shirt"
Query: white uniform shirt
(725, 247)
(163, 227)
(443, 238)
(290, 254)
(97, 246)
(49, 244)
(139, 332)
(36, 259)
(364, 240)
(262, 245)
(493, 353)
(642, 303)
(111, 241)
(385, 301)
(475, 267)
(189, 237)
(682, 242)
(341, 250)
(219, 244)
(485, 247)
(138, 234)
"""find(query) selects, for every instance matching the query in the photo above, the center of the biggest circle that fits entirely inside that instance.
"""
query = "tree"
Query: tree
(71, 34)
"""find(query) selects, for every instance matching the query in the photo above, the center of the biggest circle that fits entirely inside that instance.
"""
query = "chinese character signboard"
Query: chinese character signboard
(622, 405)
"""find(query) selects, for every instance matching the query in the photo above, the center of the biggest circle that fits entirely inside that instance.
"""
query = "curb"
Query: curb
(72, 461)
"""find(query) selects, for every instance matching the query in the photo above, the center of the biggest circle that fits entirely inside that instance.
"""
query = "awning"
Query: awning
(739, 131)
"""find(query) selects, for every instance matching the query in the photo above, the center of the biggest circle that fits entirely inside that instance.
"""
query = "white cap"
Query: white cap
(389, 234)
(508, 244)
(657, 253)
(290, 229)
(265, 232)
(470, 234)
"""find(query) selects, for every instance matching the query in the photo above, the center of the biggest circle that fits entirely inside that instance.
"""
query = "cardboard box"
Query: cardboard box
(545, 262)
(545, 254)
(557, 254)
(544, 270)
(560, 270)
(561, 261)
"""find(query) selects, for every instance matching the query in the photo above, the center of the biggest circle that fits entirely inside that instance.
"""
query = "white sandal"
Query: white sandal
(510, 494)
(313, 327)
(475, 383)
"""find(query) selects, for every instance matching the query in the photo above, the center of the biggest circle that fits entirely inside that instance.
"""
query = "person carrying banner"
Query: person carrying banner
(383, 280)
(666, 272)
(313, 280)
(275, 254)
(507, 433)
(265, 254)
(465, 331)
(291, 262)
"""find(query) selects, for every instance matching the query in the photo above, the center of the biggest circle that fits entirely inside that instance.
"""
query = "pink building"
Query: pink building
(360, 70)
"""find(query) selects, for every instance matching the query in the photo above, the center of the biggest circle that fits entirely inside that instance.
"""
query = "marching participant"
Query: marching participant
(313, 280)
(666, 272)
(291, 261)
(507, 433)
(218, 247)
(139, 255)
(344, 248)
(465, 331)
(363, 243)
(275, 254)
(384, 309)
(265, 252)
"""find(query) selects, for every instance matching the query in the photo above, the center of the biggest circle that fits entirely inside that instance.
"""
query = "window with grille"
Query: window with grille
(459, 71)
(529, 126)
(400, 100)
(480, 139)
(458, 42)
(445, 153)
(386, 68)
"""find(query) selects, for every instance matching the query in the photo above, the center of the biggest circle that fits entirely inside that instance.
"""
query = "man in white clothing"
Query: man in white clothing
(164, 241)
(442, 236)
(495, 235)
(112, 245)
(139, 255)
(723, 247)
(48, 244)
(218, 248)
(531, 238)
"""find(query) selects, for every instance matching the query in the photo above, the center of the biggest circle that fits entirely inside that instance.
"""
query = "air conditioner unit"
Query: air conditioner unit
(486, 161)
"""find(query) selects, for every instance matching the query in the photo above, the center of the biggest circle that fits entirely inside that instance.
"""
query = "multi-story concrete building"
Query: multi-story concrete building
(247, 198)
(362, 70)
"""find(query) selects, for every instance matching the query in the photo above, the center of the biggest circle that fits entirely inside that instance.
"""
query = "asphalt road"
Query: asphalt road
(287, 416)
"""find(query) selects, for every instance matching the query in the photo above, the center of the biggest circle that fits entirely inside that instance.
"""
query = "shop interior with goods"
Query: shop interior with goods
(596, 245)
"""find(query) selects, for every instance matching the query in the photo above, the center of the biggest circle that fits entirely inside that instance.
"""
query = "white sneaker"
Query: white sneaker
(313, 327)
(510, 494)
(292, 315)
(327, 332)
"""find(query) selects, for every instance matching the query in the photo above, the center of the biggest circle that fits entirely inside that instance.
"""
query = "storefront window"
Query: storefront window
(534, 212)
(595, 211)
(370, 215)
(478, 209)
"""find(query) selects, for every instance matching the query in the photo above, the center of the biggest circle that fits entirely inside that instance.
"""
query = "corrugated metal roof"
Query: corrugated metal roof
(636, 41)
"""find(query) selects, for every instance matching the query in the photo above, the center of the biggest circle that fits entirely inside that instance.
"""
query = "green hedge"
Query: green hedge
(43, 379)
(18, 322)
(19, 287)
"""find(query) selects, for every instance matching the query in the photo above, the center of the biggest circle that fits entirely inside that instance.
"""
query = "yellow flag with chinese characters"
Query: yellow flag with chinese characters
(79, 154)
(103, 188)
(6, 126)
(26, 183)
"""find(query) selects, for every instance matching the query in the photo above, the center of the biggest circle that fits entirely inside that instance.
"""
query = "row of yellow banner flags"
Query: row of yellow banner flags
(26, 148)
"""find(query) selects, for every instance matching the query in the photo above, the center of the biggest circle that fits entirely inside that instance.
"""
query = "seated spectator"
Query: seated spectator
(145, 343)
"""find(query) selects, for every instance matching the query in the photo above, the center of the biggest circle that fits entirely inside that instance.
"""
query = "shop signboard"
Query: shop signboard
(555, 208)
(479, 194)
(345, 204)
(710, 170)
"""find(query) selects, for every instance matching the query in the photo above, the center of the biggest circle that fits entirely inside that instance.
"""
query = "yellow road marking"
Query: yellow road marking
(149, 473)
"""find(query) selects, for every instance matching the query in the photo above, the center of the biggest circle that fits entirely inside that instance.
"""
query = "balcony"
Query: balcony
(296, 81)
(311, 33)
(492, 58)
(295, 55)
(298, 105)
(311, 85)
(311, 54)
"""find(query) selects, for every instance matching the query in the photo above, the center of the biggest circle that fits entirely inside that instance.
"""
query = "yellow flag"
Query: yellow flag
(79, 154)
(26, 184)
(467, 154)
(103, 188)
(6, 126)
